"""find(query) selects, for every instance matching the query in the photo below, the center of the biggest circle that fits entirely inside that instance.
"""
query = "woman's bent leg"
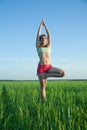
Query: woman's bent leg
(55, 72)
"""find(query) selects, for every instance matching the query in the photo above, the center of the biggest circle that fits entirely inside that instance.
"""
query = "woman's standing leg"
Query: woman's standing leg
(43, 82)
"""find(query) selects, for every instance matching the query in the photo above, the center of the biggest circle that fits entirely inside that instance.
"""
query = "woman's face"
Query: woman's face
(43, 40)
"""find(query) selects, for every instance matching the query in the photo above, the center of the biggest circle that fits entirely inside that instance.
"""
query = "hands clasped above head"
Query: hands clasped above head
(38, 42)
(43, 23)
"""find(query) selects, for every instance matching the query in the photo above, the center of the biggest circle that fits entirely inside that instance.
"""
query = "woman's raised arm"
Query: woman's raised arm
(48, 33)
(38, 34)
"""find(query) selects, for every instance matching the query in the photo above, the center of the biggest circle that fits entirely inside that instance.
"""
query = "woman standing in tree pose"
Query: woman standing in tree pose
(45, 69)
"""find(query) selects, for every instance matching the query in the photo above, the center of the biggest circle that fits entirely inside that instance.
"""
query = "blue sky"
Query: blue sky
(19, 22)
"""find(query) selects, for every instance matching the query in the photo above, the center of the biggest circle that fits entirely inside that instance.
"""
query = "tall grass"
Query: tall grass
(64, 109)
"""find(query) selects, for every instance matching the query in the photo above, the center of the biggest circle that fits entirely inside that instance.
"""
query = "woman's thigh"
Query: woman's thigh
(55, 72)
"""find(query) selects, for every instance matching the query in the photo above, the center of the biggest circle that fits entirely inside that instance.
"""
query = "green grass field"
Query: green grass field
(64, 109)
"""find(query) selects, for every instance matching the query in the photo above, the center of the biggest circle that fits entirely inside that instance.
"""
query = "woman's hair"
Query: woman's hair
(41, 36)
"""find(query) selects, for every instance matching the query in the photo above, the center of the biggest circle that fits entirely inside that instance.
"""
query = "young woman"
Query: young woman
(45, 69)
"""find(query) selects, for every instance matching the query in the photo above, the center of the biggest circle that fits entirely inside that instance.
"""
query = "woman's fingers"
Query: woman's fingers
(42, 21)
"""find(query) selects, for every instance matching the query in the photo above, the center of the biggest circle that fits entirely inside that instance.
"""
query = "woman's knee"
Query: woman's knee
(63, 73)
(42, 80)
(42, 75)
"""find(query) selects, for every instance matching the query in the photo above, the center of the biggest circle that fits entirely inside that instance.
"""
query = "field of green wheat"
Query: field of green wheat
(64, 109)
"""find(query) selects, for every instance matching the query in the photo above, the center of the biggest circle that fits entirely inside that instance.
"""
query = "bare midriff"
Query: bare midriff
(44, 59)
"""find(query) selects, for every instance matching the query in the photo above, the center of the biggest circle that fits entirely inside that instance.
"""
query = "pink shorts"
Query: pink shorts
(43, 68)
